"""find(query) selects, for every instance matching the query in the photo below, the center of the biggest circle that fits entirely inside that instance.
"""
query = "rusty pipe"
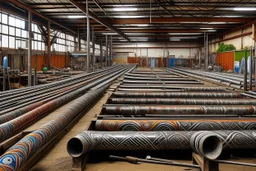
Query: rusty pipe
(183, 101)
(178, 94)
(179, 109)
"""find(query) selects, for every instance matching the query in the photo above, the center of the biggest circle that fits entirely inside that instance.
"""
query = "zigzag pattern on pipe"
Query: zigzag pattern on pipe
(153, 140)
(180, 109)
(178, 94)
(18, 154)
(183, 101)
(175, 125)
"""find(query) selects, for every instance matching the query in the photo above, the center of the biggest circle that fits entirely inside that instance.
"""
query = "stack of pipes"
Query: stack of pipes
(82, 91)
(166, 110)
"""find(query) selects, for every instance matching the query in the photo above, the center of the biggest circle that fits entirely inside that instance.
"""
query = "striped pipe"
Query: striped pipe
(153, 140)
(176, 125)
(183, 101)
(10, 128)
(179, 109)
(19, 153)
(180, 94)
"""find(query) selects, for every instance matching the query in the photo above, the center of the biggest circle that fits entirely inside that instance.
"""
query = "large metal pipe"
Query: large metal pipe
(152, 140)
(161, 86)
(183, 101)
(19, 153)
(180, 109)
(175, 124)
(178, 94)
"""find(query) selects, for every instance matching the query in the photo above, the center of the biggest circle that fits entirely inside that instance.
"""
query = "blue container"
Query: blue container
(171, 62)
(153, 62)
(5, 62)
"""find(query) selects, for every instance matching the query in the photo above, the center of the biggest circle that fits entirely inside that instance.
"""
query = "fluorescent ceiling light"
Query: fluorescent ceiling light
(76, 16)
(139, 25)
(184, 33)
(186, 37)
(244, 9)
(206, 28)
(123, 5)
(211, 30)
(109, 33)
(130, 28)
(125, 9)
(217, 23)
(124, 16)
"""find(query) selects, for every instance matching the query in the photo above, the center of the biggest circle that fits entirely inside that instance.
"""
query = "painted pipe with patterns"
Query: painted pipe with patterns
(179, 109)
(175, 125)
(183, 101)
(178, 94)
(156, 140)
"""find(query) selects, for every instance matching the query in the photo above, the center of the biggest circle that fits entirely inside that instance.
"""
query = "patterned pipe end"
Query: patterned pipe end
(207, 144)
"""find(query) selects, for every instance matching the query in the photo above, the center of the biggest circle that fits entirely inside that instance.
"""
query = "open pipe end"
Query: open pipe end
(207, 144)
(211, 147)
(75, 147)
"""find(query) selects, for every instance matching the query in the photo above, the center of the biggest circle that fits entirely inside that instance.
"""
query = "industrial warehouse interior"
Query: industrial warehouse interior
(127, 85)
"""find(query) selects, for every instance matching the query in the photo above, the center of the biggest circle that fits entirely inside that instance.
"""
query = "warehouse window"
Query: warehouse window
(4, 19)
(4, 41)
(11, 21)
(11, 42)
(14, 34)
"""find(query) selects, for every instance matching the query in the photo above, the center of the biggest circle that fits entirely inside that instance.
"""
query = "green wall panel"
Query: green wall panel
(240, 54)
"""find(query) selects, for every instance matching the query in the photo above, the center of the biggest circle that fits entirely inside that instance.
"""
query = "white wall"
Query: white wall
(156, 49)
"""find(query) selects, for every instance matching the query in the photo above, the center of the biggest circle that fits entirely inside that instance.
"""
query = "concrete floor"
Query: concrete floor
(59, 160)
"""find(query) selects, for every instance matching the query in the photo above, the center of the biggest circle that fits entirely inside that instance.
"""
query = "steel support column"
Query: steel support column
(88, 37)
(250, 71)
(101, 51)
(93, 49)
(245, 72)
(106, 55)
(111, 52)
(79, 40)
(49, 44)
(29, 47)
(206, 51)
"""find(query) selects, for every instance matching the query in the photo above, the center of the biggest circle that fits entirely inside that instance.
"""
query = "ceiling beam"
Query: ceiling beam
(99, 20)
(179, 19)
(28, 8)
(162, 31)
